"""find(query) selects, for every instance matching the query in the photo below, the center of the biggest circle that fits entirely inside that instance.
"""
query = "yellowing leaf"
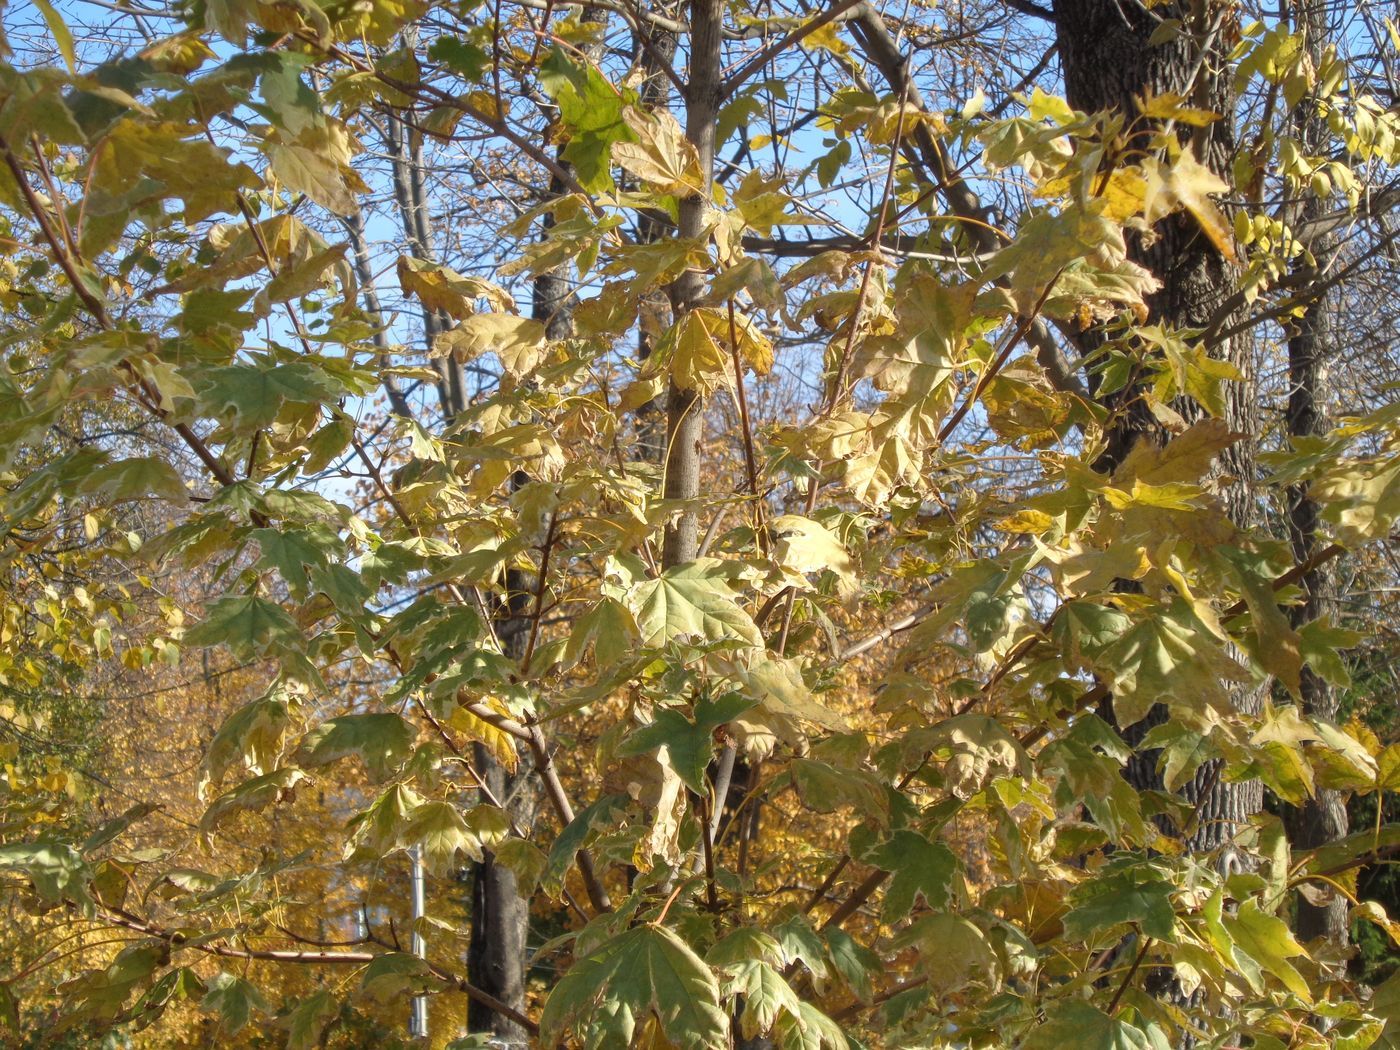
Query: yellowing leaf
(661, 155)
(825, 38)
(1164, 658)
(1188, 184)
(1264, 942)
(803, 545)
(785, 701)
(698, 346)
(439, 831)
(691, 601)
(61, 35)
(250, 796)
(439, 288)
(518, 341)
(251, 737)
(1169, 106)
(317, 163)
(500, 743)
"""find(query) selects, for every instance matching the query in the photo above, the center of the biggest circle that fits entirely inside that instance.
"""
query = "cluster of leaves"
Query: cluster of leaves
(996, 879)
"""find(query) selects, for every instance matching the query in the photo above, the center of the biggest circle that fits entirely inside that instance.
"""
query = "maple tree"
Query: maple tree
(816, 527)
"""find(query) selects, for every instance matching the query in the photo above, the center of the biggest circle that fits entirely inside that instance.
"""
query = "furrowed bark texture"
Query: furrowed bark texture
(1108, 63)
(1323, 818)
(685, 409)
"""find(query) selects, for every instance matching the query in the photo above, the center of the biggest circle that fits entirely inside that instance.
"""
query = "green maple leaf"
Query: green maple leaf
(582, 830)
(381, 740)
(1084, 629)
(1183, 752)
(439, 831)
(1264, 942)
(103, 993)
(826, 788)
(247, 624)
(253, 627)
(747, 942)
(394, 973)
(308, 1019)
(56, 868)
(250, 796)
(955, 952)
(691, 601)
(645, 972)
(234, 1000)
(609, 627)
(249, 397)
(139, 478)
(463, 58)
(293, 551)
(590, 109)
(1136, 894)
(856, 963)
(1163, 658)
(809, 1029)
(291, 103)
(252, 737)
(801, 944)
(920, 868)
(766, 997)
(1073, 1022)
(1322, 645)
(178, 985)
(689, 745)
(315, 163)
(379, 829)
(1273, 642)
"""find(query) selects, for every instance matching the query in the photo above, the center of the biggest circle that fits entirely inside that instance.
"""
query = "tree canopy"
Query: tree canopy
(801, 526)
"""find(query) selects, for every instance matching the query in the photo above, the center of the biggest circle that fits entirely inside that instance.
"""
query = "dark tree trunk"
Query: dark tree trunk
(500, 916)
(1108, 63)
(1323, 818)
(497, 951)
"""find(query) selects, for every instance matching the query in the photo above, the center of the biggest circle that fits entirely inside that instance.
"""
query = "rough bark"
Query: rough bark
(500, 915)
(1322, 818)
(1108, 62)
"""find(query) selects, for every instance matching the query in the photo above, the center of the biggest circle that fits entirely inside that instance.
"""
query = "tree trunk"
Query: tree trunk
(655, 308)
(685, 408)
(500, 918)
(1323, 818)
(1109, 63)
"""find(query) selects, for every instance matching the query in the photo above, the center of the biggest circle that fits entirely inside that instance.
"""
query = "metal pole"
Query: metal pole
(418, 1019)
